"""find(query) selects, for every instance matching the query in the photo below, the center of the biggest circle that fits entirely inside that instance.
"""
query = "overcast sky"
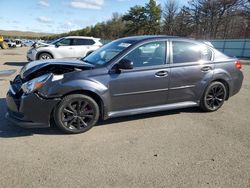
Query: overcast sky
(56, 16)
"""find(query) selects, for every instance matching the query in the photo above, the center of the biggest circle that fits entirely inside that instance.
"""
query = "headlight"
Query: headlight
(34, 84)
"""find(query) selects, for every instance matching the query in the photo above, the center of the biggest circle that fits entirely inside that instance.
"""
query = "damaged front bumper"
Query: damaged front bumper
(29, 106)
(31, 54)
(29, 110)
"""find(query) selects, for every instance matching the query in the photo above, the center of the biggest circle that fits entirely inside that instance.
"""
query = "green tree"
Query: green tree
(115, 26)
(136, 20)
(153, 17)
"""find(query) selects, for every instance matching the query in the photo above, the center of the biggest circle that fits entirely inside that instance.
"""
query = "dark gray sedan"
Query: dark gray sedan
(128, 76)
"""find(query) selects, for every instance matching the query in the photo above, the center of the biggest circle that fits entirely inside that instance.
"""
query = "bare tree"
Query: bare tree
(169, 14)
(183, 23)
(210, 15)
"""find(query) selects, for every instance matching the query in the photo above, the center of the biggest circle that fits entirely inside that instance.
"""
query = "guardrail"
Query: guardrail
(233, 47)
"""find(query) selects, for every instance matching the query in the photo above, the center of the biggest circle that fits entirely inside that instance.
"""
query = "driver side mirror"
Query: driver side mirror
(57, 45)
(124, 64)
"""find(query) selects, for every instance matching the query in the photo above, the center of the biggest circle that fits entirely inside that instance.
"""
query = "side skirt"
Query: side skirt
(152, 109)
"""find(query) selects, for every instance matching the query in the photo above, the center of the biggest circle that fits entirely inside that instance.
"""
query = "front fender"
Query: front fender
(61, 88)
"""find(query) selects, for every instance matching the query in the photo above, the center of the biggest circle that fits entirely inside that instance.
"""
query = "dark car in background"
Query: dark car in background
(128, 76)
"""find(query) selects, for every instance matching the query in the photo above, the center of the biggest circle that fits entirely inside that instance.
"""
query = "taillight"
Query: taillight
(238, 64)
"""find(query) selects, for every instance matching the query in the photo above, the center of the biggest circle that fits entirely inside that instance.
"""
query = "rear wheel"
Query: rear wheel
(76, 113)
(43, 56)
(213, 97)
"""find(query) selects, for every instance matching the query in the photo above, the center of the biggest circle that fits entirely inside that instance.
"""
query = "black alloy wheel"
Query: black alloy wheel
(76, 113)
(214, 97)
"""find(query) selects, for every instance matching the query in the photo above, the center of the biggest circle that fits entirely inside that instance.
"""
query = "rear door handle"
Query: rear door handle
(161, 74)
(206, 68)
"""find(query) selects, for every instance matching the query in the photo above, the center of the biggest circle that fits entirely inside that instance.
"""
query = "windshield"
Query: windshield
(107, 52)
(55, 41)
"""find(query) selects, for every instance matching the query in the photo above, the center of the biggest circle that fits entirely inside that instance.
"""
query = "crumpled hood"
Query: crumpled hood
(36, 66)
(40, 44)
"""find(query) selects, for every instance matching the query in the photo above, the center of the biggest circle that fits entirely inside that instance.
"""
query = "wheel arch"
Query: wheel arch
(223, 76)
(91, 94)
(39, 53)
(225, 83)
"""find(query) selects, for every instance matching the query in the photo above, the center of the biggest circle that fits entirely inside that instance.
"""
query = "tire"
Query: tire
(76, 113)
(44, 55)
(213, 97)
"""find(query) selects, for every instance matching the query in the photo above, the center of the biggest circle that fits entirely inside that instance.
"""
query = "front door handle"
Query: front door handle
(161, 74)
(206, 68)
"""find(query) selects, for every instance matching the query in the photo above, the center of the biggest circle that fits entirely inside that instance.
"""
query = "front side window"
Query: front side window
(149, 54)
(89, 42)
(64, 42)
(184, 52)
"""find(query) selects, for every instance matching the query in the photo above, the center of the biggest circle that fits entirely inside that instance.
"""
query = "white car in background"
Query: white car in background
(11, 43)
(18, 42)
(66, 47)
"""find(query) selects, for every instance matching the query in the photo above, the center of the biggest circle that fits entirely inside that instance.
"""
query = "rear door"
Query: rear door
(82, 46)
(191, 68)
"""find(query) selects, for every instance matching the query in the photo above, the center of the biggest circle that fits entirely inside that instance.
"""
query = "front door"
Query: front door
(64, 49)
(146, 84)
(191, 68)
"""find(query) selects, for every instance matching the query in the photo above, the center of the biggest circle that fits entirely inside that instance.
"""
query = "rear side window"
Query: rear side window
(64, 42)
(83, 42)
(184, 52)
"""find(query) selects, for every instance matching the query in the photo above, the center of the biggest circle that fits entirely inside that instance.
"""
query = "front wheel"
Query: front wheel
(43, 56)
(76, 113)
(213, 97)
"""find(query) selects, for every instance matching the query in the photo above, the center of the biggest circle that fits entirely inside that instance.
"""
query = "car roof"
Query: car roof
(141, 38)
(81, 37)
(145, 37)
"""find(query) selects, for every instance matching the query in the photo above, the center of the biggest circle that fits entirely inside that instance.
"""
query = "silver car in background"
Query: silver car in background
(66, 47)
